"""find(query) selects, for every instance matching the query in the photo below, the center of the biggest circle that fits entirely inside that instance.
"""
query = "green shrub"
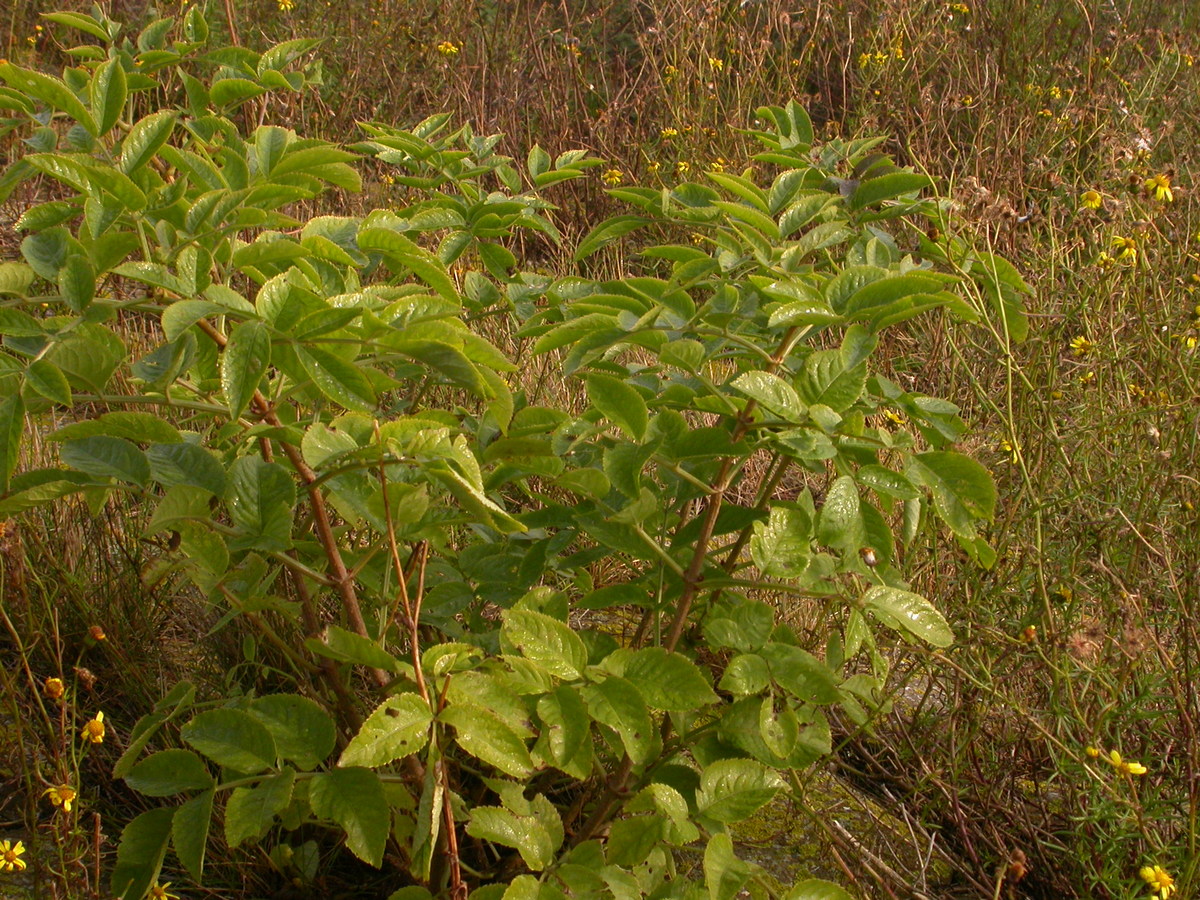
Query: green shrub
(344, 454)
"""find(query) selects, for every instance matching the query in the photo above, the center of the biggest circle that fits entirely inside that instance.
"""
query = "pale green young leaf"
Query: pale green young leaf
(485, 736)
(546, 641)
(732, 790)
(908, 613)
(397, 728)
(619, 403)
(243, 364)
(108, 93)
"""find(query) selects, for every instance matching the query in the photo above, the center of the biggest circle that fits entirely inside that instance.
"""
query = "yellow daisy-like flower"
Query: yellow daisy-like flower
(1126, 247)
(54, 688)
(1091, 200)
(93, 731)
(1081, 346)
(1160, 186)
(160, 892)
(10, 857)
(285, 6)
(62, 795)
(1161, 883)
(717, 165)
(716, 63)
(669, 133)
(670, 73)
(1009, 449)
(683, 167)
(447, 48)
(613, 176)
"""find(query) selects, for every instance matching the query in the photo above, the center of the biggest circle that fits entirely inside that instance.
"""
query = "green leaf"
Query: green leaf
(16, 278)
(48, 380)
(963, 491)
(828, 381)
(746, 674)
(183, 314)
(108, 92)
(184, 463)
(538, 161)
(409, 255)
(620, 404)
(140, 854)
(12, 429)
(773, 394)
(47, 251)
(303, 732)
(724, 873)
(338, 380)
(732, 790)
(145, 139)
(887, 187)
(909, 613)
(545, 640)
(800, 673)
(781, 546)
(169, 772)
(669, 681)
(354, 799)
(840, 523)
(77, 282)
(615, 702)
(135, 426)
(346, 646)
(567, 734)
(485, 736)
(189, 832)
(250, 812)
(816, 889)
(397, 728)
(230, 92)
(107, 457)
(232, 738)
(79, 20)
(607, 232)
(50, 91)
(525, 833)
(260, 496)
(243, 364)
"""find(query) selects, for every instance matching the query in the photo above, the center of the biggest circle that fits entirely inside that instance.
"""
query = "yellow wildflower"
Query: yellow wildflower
(670, 73)
(96, 633)
(653, 167)
(1008, 448)
(683, 167)
(1091, 200)
(669, 133)
(1160, 186)
(447, 48)
(54, 688)
(716, 63)
(1161, 883)
(1105, 261)
(1081, 346)
(1125, 766)
(160, 892)
(62, 795)
(1126, 247)
(1093, 752)
(10, 857)
(717, 165)
(613, 176)
(285, 6)
(93, 731)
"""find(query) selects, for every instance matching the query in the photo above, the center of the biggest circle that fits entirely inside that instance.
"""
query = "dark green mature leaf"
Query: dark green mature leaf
(50, 91)
(732, 790)
(12, 427)
(169, 772)
(887, 187)
(545, 640)
(243, 364)
(77, 282)
(669, 681)
(303, 732)
(189, 832)
(346, 646)
(145, 138)
(620, 404)
(800, 673)
(607, 232)
(140, 854)
(107, 457)
(337, 379)
(397, 728)
(615, 702)
(909, 613)
(48, 380)
(232, 738)
(963, 490)
(773, 394)
(134, 426)
(354, 799)
(108, 92)
(567, 732)
(250, 811)
(185, 463)
(485, 736)
(16, 278)
(260, 496)
(782, 545)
